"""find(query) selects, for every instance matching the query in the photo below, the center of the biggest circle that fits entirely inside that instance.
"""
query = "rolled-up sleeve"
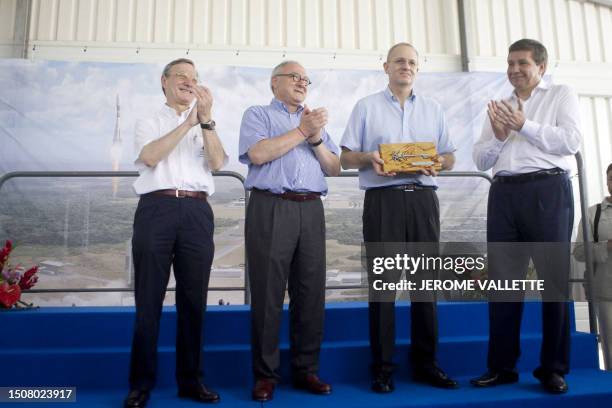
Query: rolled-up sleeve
(445, 144)
(252, 130)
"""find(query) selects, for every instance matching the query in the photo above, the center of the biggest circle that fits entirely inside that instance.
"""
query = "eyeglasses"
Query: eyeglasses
(297, 78)
(181, 76)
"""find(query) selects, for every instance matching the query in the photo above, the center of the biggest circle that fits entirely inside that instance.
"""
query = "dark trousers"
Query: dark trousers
(401, 216)
(285, 241)
(538, 211)
(178, 232)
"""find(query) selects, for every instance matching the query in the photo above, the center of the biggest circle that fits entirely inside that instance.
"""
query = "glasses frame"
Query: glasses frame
(296, 78)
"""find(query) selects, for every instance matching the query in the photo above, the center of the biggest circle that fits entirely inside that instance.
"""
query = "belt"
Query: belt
(292, 195)
(181, 193)
(523, 178)
(405, 187)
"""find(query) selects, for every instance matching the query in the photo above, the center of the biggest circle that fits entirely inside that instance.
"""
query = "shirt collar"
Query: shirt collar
(390, 95)
(605, 203)
(280, 105)
(541, 86)
(167, 110)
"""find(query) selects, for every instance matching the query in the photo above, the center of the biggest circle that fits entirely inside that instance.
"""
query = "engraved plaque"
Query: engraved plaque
(409, 157)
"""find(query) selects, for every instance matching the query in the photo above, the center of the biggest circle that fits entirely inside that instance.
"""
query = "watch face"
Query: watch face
(210, 125)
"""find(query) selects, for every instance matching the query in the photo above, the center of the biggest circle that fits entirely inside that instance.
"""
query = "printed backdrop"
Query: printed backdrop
(63, 115)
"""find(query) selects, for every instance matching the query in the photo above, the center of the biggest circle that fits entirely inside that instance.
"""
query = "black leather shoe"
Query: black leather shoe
(383, 383)
(494, 377)
(434, 376)
(551, 381)
(136, 399)
(313, 384)
(198, 393)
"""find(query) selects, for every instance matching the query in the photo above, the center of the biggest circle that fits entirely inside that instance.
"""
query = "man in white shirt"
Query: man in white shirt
(529, 140)
(177, 149)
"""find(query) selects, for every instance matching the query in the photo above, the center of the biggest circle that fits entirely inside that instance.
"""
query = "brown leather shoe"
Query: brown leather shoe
(313, 384)
(263, 390)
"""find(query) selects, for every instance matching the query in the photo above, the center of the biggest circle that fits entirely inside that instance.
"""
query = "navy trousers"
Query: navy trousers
(178, 232)
(540, 212)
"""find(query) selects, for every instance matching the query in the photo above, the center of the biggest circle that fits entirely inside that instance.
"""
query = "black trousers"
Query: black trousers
(178, 232)
(401, 216)
(538, 211)
(285, 242)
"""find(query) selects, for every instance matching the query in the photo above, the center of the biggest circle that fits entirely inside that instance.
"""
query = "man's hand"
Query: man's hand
(204, 101)
(312, 122)
(431, 171)
(500, 131)
(511, 118)
(192, 119)
(377, 164)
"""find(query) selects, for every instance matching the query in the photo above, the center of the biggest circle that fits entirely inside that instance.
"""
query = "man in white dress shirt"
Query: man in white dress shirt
(529, 140)
(177, 150)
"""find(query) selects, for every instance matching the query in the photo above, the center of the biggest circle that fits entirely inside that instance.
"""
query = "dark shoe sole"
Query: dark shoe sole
(434, 384)
(193, 398)
(494, 384)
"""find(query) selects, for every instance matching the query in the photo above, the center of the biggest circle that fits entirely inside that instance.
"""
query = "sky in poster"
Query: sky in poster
(62, 115)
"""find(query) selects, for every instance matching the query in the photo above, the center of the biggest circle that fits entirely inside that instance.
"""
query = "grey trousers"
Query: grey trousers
(285, 243)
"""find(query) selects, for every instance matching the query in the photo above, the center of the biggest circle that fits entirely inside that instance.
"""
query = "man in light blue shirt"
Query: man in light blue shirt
(399, 207)
(289, 153)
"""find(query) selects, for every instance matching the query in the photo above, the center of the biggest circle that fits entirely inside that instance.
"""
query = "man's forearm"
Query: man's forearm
(214, 149)
(354, 160)
(270, 149)
(157, 150)
(330, 163)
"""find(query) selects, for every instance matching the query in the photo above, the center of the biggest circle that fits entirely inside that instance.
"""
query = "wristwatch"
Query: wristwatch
(210, 125)
(315, 144)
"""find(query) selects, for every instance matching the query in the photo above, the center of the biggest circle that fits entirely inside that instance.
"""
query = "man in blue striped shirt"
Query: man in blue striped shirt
(289, 153)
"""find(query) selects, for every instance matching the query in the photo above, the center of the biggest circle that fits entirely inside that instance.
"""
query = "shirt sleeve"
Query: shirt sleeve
(564, 138)
(352, 138)
(252, 130)
(445, 144)
(144, 133)
(487, 148)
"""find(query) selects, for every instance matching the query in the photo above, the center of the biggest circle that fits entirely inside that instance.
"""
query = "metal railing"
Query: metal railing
(245, 287)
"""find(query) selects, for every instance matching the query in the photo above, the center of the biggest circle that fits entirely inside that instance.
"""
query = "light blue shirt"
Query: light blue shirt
(296, 170)
(379, 118)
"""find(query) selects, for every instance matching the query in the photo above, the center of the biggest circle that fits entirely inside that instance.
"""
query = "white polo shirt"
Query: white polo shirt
(550, 136)
(185, 168)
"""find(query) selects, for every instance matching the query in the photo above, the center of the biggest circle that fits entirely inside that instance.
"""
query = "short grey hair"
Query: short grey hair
(277, 70)
(168, 67)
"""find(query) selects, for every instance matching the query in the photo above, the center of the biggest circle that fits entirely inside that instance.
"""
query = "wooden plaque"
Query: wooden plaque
(409, 157)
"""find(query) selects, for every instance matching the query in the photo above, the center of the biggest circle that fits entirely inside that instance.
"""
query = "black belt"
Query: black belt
(405, 187)
(201, 195)
(292, 195)
(523, 178)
